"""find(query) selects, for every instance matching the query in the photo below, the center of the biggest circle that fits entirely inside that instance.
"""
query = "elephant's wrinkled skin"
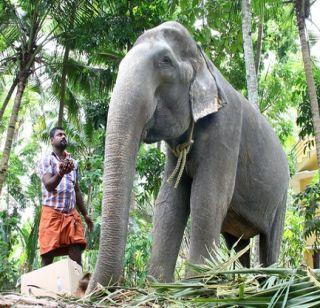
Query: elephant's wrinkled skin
(236, 176)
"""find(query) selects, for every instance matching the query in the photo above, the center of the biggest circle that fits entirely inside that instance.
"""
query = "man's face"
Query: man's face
(59, 139)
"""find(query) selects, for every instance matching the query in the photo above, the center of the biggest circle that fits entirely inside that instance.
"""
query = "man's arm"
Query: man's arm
(81, 207)
(51, 181)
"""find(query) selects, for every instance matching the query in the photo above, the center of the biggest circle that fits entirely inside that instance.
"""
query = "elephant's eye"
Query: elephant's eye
(166, 61)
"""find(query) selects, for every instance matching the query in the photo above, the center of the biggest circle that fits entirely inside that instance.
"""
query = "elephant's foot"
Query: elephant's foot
(160, 273)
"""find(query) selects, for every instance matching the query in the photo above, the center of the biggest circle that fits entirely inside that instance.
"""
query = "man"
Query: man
(61, 231)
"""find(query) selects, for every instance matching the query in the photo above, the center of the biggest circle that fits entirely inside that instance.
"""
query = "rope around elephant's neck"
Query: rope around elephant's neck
(181, 151)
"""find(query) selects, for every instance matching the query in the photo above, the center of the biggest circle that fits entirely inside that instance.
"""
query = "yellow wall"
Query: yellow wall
(308, 258)
(304, 183)
(306, 158)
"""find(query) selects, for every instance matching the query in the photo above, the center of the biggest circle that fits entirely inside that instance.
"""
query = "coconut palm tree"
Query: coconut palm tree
(27, 26)
(302, 8)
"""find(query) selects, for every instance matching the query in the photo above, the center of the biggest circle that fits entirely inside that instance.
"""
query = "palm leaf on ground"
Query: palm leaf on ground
(222, 282)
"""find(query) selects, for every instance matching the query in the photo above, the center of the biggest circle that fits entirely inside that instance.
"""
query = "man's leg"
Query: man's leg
(75, 252)
(47, 259)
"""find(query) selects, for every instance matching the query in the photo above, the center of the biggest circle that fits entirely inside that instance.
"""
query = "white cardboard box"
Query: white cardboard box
(60, 277)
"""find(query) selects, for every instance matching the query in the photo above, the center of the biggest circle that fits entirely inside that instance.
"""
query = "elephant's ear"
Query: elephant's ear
(205, 94)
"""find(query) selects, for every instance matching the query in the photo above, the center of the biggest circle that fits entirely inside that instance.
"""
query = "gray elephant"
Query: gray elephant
(229, 168)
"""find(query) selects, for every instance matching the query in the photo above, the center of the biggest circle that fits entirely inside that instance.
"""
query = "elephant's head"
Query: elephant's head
(164, 83)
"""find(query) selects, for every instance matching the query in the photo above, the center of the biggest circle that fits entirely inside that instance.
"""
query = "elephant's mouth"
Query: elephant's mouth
(150, 137)
(149, 134)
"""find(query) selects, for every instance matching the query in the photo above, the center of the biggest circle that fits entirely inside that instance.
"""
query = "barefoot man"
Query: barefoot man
(61, 231)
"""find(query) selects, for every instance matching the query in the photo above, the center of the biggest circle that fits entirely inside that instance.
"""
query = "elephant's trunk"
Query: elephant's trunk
(127, 116)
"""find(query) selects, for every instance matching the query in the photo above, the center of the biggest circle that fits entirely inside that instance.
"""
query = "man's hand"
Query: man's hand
(65, 167)
(89, 222)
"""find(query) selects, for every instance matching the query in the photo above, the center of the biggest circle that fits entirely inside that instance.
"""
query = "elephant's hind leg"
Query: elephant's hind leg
(231, 240)
(171, 214)
(271, 241)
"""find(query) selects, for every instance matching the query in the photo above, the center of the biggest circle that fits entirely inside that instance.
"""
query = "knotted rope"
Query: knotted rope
(181, 151)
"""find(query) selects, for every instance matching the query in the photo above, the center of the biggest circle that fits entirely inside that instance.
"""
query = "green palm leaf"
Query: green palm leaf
(216, 284)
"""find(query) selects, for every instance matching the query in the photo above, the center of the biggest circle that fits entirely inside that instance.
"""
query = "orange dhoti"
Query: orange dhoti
(59, 230)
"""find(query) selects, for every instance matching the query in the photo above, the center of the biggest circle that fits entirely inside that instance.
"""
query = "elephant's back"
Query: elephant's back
(260, 147)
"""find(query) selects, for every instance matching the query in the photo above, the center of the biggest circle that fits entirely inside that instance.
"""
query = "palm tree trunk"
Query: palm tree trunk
(251, 76)
(11, 128)
(251, 73)
(259, 43)
(6, 100)
(63, 85)
(300, 7)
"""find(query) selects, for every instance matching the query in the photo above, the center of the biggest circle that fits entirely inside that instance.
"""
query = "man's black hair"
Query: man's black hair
(53, 130)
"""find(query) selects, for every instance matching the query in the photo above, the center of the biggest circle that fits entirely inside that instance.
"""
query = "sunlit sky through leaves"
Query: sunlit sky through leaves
(315, 28)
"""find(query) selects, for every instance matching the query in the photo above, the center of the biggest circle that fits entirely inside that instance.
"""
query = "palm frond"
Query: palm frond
(14, 18)
(9, 35)
(104, 55)
(222, 281)
(79, 10)
(82, 78)
(87, 79)
(73, 106)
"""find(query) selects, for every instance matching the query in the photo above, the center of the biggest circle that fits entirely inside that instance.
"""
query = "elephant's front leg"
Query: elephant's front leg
(210, 198)
(171, 214)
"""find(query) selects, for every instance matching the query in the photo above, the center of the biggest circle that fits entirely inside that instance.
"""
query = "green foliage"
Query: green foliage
(292, 163)
(278, 95)
(8, 270)
(29, 231)
(21, 194)
(16, 169)
(8, 236)
(137, 250)
(304, 119)
(150, 165)
(221, 38)
(293, 241)
(117, 25)
(29, 238)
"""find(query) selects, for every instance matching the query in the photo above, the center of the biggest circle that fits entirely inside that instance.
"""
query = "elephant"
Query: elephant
(230, 174)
